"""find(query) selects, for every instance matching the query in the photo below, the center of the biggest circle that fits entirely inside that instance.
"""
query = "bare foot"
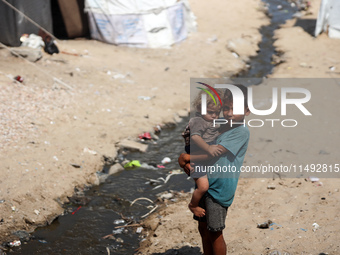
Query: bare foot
(198, 211)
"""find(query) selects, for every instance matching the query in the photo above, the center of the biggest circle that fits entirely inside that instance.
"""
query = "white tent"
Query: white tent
(329, 18)
(142, 23)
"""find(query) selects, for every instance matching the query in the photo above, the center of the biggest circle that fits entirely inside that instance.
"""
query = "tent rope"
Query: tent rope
(40, 69)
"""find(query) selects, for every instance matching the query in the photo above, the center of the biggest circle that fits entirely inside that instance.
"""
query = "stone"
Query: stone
(30, 54)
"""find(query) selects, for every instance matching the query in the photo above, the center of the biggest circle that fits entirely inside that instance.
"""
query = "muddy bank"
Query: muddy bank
(48, 128)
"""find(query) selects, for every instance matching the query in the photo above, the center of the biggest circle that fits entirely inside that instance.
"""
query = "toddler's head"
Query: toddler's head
(213, 109)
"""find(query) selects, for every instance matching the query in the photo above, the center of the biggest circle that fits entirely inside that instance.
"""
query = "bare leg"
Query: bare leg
(206, 243)
(202, 187)
(218, 243)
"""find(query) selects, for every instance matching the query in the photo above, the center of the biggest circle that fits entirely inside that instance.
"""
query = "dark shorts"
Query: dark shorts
(215, 214)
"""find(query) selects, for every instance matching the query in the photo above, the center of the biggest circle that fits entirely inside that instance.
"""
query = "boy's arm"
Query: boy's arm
(211, 149)
(187, 160)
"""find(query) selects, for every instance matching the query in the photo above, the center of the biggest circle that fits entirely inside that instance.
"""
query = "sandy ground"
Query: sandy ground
(46, 126)
(294, 205)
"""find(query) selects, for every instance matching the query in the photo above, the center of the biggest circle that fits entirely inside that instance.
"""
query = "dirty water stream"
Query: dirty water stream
(81, 228)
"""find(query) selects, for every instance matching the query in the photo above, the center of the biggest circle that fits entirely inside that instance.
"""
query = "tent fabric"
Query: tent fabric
(13, 24)
(142, 23)
(329, 18)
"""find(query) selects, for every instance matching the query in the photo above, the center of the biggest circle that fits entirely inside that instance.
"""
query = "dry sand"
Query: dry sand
(45, 127)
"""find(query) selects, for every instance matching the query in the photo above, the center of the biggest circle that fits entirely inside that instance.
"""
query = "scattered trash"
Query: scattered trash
(13, 208)
(315, 226)
(120, 240)
(55, 158)
(118, 76)
(167, 196)
(332, 68)
(160, 166)
(19, 78)
(146, 166)
(15, 243)
(75, 165)
(121, 221)
(42, 241)
(274, 224)
(323, 198)
(133, 163)
(145, 98)
(90, 151)
(271, 187)
(166, 160)
(145, 135)
(117, 231)
(50, 46)
(36, 212)
(76, 210)
(313, 179)
(264, 224)
(2, 201)
(32, 41)
(139, 230)
(157, 129)
(303, 229)
(279, 7)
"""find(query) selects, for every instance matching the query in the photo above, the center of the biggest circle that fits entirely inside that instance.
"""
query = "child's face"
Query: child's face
(213, 112)
(229, 115)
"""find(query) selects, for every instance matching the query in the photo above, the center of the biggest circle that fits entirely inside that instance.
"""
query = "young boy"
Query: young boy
(200, 134)
(233, 142)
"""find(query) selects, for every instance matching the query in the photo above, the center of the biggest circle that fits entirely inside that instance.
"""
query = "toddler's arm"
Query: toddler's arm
(213, 150)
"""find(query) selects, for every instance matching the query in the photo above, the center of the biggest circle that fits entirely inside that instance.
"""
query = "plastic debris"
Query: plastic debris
(14, 243)
(32, 41)
(139, 230)
(36, 212)
(76, 210)
(160, 166)
(303, 229)
(117, 231)
(315, 226)
(19, 78)
(87, 150)
(271, 187)
(157, 129)
(145, 135)
(133, 163)
(145, 98)
(264, 224)
(42, 241)
(13, 208)
(314, 179)
(120, 221)
(166, 160)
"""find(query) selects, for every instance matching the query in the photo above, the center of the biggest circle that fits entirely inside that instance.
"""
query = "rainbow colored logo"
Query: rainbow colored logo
(208, 92)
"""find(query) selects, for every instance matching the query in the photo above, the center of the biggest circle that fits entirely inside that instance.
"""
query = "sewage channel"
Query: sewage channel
(100, 209)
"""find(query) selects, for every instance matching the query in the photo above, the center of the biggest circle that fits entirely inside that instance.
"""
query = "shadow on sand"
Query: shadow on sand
(306, 24)
(185, 250)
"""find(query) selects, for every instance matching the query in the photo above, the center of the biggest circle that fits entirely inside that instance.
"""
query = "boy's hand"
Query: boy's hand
(188, 168)
(184, 162)
(215, 150)
(183, 159)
